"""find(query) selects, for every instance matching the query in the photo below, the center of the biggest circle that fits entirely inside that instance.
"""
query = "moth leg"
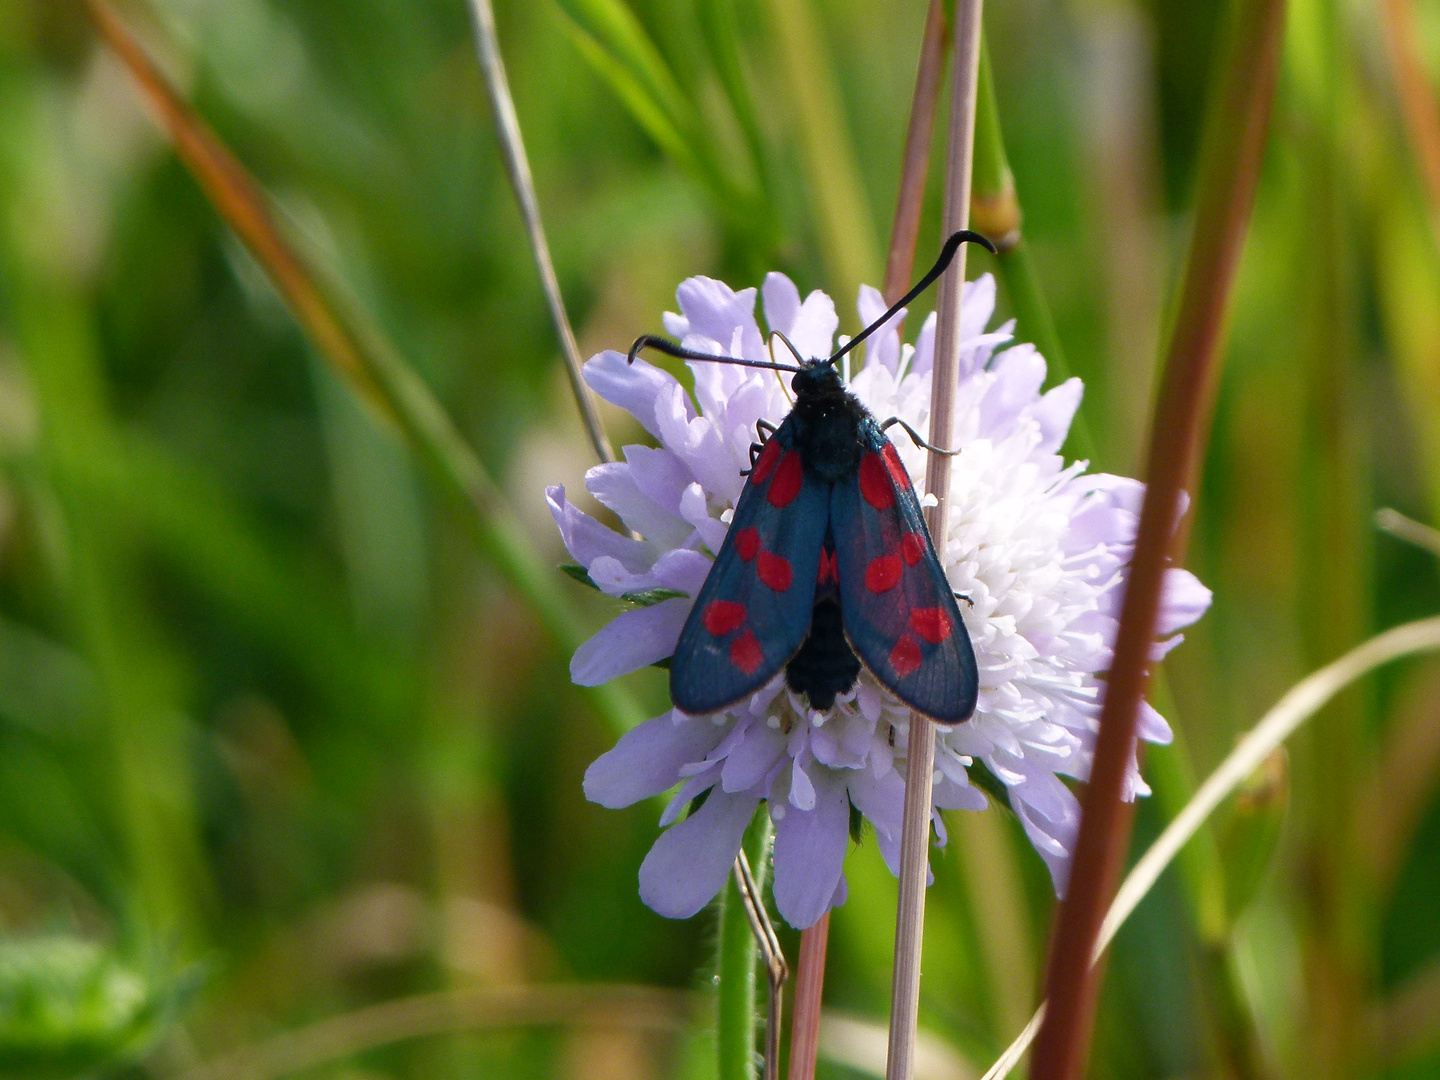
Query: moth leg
(962, 596)
(764, 429)
(915, 437)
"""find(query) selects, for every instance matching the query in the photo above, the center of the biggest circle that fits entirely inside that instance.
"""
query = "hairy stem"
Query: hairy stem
(736, 962)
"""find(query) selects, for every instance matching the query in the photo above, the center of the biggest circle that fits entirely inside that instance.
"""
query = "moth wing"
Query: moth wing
(753, 612)
(900, 615)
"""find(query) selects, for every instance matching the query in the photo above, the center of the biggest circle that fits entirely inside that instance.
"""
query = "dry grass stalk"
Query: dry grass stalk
(915, 832)
(517, 167)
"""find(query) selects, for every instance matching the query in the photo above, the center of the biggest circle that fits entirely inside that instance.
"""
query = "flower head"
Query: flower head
(1039, 548)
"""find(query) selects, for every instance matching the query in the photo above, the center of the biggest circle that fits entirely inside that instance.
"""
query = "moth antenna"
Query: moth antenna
(790, 345)
(947, 253)
(665, 345)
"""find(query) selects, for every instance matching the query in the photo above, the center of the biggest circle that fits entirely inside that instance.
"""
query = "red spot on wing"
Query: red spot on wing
(775, 571)
(931, 623)
(766, 462)
(904, 657)
(747, 543)
(912, 547)
(883, 573)
(829, 567)
(723, 616)
(746, 654)
(896, 467)
(788, 477)
(874, 484)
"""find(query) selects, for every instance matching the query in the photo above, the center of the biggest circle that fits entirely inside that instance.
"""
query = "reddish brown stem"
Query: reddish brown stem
(1418, 104)
(809, 981)
(900, 264)
(1230, 166)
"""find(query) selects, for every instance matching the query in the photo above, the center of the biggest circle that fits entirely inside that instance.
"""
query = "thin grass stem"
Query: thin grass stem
(517, 167)
(915, 168)
(1237, 123)
(920, 762)
(1300, 703)
(1408, 529)
(363, 356)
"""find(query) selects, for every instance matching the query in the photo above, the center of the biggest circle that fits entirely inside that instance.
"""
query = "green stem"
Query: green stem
(995, 211)
(737, 961)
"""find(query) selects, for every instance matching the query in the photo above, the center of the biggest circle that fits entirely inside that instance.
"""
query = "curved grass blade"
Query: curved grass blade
(361, 354)
(1303, 701)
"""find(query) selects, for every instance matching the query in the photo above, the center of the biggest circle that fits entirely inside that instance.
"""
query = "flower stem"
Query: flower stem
(517, 167)
(920, 763)
(1237, 121)
(736, 962)
(809, 984)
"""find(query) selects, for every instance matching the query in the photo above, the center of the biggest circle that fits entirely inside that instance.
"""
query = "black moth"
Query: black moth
(828, 564)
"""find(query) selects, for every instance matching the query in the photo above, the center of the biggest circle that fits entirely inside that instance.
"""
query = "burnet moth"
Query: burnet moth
(828, 564)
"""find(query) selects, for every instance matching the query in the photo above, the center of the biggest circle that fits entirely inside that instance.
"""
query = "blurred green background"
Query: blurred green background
(277, 745)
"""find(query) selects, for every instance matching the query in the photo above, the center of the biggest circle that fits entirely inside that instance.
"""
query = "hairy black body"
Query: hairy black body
(827, 434)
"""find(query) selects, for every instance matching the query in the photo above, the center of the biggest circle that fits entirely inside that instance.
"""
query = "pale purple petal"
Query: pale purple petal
(809, 326)
(1055, 412)
(810, 850)
(1182, 601)
(634, 387)
(882, 801)
(714, 309)
(924, 358)
(694, 509)
(680, 569)
(1054, 842)
(883, 346)
(659, 474)
(587, 540)
(1152, 727)
(752, 760)
(693, 787)
(613, 485)
(629, 642)
(689, 862)
(1019, 373)
(696, 442)
(647, 759)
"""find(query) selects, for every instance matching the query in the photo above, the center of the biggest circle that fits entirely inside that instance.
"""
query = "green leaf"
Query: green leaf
(1250, 831)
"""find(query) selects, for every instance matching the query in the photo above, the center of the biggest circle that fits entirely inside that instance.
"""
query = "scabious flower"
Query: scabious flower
(1038, 547)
